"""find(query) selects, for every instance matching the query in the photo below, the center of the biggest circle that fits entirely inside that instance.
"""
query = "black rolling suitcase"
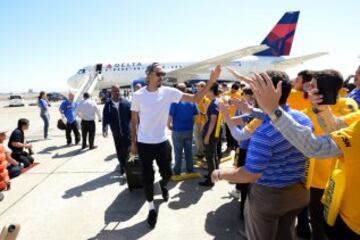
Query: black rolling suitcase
(133, 170)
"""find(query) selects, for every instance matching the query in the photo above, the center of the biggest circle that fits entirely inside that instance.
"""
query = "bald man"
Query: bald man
(68, 112)
(117, 114)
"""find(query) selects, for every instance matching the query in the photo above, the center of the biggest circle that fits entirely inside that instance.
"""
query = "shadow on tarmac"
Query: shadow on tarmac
(49, 150)
(190, 194)
(224, 223)
(92, 185)
(111, 157)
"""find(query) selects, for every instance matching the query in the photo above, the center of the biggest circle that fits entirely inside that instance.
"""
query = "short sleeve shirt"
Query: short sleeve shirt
(153, 109)
(212, 110)
(16, 136)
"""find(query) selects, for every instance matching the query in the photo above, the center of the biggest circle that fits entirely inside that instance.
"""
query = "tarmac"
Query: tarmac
(75, 194)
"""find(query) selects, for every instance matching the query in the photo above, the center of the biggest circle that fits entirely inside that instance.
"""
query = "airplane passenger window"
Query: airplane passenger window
(81, 71)
(122, 69)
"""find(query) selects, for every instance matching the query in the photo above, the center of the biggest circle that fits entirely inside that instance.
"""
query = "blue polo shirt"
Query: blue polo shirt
(355, 94)
(183, 114)
(69, 110)
(269, 153)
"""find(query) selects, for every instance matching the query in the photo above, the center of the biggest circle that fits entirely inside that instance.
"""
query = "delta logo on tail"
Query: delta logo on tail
(281, 37)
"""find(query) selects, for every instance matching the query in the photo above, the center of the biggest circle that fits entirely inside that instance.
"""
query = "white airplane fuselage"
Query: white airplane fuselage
(123, 74)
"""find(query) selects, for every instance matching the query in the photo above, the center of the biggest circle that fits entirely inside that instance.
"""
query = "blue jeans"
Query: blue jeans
(46, 118)
(182, 141)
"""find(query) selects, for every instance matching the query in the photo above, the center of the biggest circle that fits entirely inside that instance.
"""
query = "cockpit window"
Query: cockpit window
(81, 71)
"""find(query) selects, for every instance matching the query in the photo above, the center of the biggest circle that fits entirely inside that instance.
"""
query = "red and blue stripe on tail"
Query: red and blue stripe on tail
(281, 37)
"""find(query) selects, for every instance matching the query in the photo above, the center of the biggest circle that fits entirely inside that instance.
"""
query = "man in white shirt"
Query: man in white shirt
(86, 110)
(150, 109)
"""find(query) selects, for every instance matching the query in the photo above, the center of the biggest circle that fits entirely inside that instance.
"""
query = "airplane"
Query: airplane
(270, 55)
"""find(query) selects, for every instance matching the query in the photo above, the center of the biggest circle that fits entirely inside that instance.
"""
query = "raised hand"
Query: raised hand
(215, 74)
(242, 105)
(238, 75)
(265, 93)
(223, 108)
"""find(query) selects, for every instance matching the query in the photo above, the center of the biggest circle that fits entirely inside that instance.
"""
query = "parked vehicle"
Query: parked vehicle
(54, 96)
(16, 101)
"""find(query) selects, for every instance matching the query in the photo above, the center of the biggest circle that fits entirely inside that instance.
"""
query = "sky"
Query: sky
(44, 42)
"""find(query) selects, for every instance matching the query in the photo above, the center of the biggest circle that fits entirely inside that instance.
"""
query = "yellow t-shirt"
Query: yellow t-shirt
(297, 101)
(350, 118)
(323, 168)
(343, 92)
(253, 125)
(348, 140)
(237, 95)
(202, 107)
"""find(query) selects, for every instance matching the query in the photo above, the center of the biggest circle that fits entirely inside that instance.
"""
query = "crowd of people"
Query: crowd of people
(296, 142)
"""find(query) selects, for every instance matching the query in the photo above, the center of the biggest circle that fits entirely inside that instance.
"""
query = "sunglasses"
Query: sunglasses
(160, 74)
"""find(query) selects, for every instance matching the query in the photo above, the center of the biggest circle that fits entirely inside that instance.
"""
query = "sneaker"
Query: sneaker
(83, 147)
(152, 218)
(1, 196)
(235, 193)
(93, 147)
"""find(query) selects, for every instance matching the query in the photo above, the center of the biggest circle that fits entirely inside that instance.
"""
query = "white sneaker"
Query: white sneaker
(235, 193)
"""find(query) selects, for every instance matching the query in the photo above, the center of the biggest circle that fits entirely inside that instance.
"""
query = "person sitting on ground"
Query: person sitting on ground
(17, 144)
(181, 122)
(13, 167)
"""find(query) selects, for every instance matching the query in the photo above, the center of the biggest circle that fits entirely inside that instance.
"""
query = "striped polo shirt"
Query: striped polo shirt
(269, 153)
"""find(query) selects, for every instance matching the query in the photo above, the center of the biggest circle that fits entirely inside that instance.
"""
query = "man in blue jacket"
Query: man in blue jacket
(117, 114)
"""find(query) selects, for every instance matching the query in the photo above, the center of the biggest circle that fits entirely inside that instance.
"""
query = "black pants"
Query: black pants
(14, 171)
(161, 152)
(340, 231)
(122, 145)
(317, 220)
(23, 157)
(303, 223)
(231, 142)
(88, 127)
(211, 155)
(242, 187)
(72, 127)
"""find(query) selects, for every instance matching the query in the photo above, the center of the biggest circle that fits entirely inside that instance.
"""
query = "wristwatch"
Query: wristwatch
(276, 114)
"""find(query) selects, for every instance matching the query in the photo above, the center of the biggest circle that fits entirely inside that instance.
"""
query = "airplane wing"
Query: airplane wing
(289, 62)
(204, 65)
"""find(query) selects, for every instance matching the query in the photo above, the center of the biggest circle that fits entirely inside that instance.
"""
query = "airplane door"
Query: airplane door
(98, 68)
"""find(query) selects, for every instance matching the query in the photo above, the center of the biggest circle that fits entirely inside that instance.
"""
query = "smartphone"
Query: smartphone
(327, 87)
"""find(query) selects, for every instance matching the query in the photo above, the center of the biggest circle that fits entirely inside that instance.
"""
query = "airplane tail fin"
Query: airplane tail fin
(281, 37)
